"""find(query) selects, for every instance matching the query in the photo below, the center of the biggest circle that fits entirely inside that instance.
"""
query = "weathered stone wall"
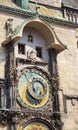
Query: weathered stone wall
(67, 61)
(67, 69)
(70, 119)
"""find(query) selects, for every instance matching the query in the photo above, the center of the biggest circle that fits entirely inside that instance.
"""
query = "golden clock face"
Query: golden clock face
(36, 126)
(33, 88)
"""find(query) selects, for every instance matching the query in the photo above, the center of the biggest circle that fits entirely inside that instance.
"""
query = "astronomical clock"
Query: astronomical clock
(34, 89)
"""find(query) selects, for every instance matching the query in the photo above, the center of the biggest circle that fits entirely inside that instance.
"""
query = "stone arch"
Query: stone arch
(52, 41)
(41, 27)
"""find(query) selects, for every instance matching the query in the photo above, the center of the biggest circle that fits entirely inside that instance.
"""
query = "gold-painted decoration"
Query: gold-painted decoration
(20, 128)
(33, 126)
(36, 126)
(33, 88)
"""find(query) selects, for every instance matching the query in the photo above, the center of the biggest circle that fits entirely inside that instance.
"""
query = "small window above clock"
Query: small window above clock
(30, 38)
(21, 49)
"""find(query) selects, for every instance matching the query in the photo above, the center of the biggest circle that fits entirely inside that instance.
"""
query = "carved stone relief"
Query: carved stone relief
(32, 54)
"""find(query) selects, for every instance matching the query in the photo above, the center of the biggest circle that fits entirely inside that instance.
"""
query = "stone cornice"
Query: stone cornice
(44, 17)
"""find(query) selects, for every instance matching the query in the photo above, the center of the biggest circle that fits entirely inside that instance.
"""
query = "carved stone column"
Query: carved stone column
(10, 75)
(52, 65)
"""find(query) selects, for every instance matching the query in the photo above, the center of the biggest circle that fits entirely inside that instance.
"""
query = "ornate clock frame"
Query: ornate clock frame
(34, 89)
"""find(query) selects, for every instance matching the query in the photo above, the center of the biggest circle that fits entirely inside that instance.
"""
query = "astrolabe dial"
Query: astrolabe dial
(33, 87)
(36, 126)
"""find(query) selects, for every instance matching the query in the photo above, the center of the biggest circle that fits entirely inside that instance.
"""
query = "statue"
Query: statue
(32, 54)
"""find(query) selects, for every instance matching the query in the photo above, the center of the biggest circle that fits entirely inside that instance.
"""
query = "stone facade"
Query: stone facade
(57, 42)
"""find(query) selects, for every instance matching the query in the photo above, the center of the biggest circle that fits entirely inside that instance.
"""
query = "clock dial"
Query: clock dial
(33, 88)
(36, 126)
